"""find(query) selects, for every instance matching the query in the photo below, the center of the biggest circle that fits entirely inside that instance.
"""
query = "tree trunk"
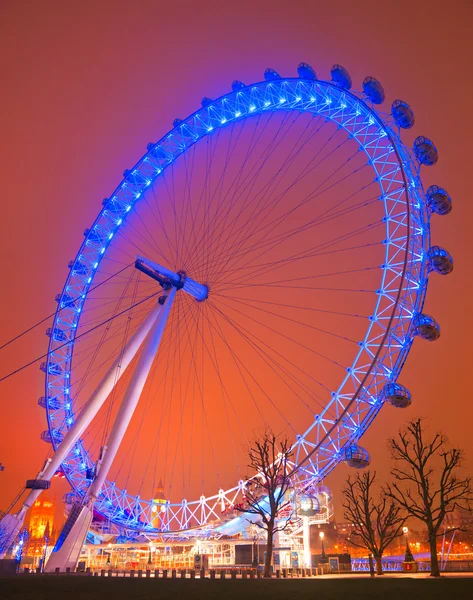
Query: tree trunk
(434, 561)
(379, 564)
(269, 551)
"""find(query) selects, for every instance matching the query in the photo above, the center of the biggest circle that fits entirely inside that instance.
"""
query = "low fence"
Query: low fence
(223, 573)
(451, 566)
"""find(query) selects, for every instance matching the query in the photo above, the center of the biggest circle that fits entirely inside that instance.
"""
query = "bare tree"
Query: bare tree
(426, 482)
(266, 490)
(375, 523)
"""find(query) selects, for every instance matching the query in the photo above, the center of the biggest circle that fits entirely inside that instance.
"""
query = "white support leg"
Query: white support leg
(10, 525)
(68, 554)
(306, 542)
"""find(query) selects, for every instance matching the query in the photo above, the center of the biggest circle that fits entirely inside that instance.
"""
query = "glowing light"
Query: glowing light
(128, 208)
(252, 108)
(209, 129)
(282, 100)
(223, 121)
(267, 103)
(137, 195)
(238, 114)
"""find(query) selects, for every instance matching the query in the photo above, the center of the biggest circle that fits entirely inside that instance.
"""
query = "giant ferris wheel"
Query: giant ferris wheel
(264, 264)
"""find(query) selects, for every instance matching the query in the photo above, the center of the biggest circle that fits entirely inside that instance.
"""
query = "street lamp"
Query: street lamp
(255, 552)
(151, 549)
(323, 556)
(408, 557)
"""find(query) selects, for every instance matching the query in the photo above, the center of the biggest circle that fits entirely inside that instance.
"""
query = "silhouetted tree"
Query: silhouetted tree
(376, 523)
(266, 490)
(426, 482)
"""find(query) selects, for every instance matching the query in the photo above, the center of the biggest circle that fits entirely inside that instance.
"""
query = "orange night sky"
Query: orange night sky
(86, 86)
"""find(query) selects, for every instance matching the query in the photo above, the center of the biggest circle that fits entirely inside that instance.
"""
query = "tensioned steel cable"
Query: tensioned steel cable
(32, 362)
(61, 309)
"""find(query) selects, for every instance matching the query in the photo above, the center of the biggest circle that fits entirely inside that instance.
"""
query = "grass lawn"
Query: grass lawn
(85, 588)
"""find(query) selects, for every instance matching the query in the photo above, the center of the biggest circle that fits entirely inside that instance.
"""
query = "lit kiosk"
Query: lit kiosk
(409, 564)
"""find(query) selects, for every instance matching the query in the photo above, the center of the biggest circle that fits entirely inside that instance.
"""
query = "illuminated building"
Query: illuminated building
(41, 515)
(159, 503)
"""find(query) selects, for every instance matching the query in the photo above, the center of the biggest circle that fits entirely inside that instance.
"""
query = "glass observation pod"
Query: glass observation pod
(397, 395)
(357, 457)
(439, 200)
(427, 328)
(425, 151)
(440, 260)
(374, 91)
(341, 77)
(403, 114)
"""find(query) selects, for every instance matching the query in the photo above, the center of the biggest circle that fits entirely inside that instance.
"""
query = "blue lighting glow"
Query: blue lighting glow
(255, 99)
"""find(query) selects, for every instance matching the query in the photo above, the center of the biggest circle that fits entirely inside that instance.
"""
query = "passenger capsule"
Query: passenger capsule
(206, 101)
(357, 457)
(305, 71)
(64, 300)
(439, 200)
(425, 151)
(56, 333)
(374, 91)
(237, 85)
(271, 75)
(427, 328)
(341, 77)
(77, 267)
(49, 403)
(175, 123)
(55, 435)
(308, 505)
(52, 368)
(397, 395)
(402, 114)
(440, 260)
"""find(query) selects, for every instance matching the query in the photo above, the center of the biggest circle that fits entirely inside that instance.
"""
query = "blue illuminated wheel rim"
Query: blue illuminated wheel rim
(390, 330)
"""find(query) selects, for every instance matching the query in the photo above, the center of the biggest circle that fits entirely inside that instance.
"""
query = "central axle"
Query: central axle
(168, 279)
